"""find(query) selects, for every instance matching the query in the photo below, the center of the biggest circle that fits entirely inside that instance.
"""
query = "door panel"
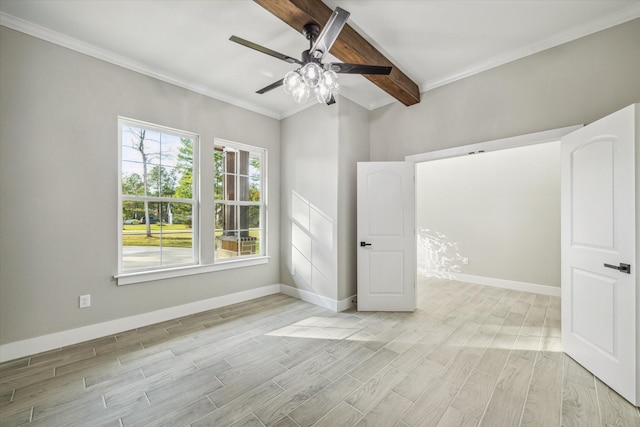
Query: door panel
(592, 307)
(386, 265)
(592, 194)
(599, 304)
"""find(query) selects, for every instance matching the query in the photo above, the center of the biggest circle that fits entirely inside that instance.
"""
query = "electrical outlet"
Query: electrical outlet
(84, 301)
(465, 260)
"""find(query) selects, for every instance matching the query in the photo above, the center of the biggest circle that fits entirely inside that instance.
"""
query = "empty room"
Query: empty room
(319, 213)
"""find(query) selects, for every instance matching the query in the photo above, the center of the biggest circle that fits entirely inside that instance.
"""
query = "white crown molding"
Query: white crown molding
(51, 36)
(607, 21)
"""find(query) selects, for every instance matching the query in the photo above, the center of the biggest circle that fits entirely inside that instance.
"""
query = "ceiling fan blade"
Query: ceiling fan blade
(342, 68)
(265, 50)
(330, 32)
(270, 87)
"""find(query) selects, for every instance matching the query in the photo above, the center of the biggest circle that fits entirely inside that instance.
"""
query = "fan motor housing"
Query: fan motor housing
(311, 31)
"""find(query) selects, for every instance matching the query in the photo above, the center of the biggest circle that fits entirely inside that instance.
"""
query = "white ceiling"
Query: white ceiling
(186, 42)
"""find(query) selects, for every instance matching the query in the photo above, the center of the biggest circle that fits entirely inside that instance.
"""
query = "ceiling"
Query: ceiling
(186, 42)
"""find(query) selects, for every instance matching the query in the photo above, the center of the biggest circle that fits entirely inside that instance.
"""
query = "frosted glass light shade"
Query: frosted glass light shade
(300, 94)
(330, 79)
(323, 92)
(291, 81)
(311, 74)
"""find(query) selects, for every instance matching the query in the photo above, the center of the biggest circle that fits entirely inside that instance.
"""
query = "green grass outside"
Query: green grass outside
(173, 236)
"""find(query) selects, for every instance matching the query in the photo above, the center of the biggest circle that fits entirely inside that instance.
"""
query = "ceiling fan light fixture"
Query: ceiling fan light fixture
(300, 93)
(330, 79)
(323, 92)
(311, 74)
(291, 81)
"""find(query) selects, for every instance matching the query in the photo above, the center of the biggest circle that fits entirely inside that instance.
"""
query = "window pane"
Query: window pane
(230, 160)
(243, 162)
(218, 164)
(254, 188)
(176, 233)
(253, 214)
(238, 178)
(219, 218)
(184, 170)
(165, 239)
(131, 181)
(226, 235)
(243, 188)
(169, 150)
(229, 187)
(140, 242)
(240, 233)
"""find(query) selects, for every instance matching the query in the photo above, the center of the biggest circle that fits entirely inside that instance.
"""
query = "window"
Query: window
(157, 197)
(163, 197)
(238, 200)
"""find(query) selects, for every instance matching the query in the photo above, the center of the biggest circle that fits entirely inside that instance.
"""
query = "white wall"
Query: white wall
(500, 210)
(58, 187)
(575, 83)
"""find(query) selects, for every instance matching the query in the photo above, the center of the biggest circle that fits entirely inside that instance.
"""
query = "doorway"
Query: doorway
(491, 217)
(492, 197)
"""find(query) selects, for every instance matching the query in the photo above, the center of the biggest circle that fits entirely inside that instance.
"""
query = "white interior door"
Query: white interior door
(599, 305)
(386, 239)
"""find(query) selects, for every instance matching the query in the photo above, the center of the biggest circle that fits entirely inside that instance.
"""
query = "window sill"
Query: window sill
(169, 273)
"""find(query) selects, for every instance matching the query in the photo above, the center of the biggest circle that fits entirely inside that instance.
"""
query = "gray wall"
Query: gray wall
(354, 148)
(500, 210)
(309, 182)
(320, 149)
(575, 83)
(58, 186)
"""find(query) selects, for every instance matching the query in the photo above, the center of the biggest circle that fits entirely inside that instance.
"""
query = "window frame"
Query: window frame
(262, 203)
(203, 246)
(124, 122)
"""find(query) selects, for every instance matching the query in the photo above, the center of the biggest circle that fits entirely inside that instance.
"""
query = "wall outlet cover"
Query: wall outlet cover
(84, 301)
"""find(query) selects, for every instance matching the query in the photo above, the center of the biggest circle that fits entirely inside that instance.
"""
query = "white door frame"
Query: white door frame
(495, 145)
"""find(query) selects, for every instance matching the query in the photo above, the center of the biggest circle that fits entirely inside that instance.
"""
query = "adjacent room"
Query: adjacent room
(319, 213)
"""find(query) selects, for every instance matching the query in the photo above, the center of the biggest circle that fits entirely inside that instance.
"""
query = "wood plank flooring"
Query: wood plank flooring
(469, 356)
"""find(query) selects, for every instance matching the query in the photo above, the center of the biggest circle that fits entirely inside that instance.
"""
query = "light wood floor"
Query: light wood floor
(471, 355)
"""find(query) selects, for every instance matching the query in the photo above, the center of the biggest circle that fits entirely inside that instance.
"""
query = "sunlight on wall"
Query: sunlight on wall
(437, 256)
(313, 261)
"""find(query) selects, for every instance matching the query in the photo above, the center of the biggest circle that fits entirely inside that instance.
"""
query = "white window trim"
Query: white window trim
(263, 200)
(189, 270)
(199, 253)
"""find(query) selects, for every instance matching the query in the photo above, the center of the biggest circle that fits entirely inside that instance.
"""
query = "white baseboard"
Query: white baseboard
(319, 300)
(36, 345)
(507, 284)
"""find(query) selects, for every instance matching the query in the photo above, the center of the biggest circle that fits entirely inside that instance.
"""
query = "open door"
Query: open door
(599, 286)
(386, 237)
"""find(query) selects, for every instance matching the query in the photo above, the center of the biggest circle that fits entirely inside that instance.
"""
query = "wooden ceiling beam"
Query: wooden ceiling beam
(349, 47)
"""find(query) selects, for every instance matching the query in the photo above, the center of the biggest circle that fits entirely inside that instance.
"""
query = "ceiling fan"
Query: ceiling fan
(312, 73)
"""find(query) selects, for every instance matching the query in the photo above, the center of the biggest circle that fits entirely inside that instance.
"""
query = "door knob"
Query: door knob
(363, 244)
(624, 268)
